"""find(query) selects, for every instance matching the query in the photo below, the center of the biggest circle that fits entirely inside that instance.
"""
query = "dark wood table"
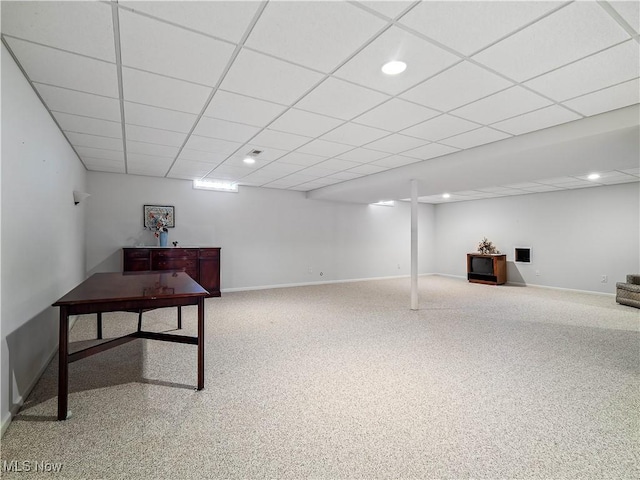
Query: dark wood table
(128, 291)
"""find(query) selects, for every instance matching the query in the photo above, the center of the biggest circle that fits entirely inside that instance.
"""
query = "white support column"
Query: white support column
(414, 244)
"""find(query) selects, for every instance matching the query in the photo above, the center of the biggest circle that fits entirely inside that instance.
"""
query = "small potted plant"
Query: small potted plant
(486, 247)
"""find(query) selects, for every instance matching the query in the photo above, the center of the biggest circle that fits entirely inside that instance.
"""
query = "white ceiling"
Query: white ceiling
(499, 98)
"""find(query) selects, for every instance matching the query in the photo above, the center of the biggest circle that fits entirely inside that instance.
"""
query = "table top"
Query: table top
(127, 286)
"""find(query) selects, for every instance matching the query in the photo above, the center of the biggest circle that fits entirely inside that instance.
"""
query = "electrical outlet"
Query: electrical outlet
(310, 270)
(398, 266)
(604, 279)
(537, 273)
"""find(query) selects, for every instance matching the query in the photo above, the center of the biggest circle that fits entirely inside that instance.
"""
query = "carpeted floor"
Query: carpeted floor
(343, 381)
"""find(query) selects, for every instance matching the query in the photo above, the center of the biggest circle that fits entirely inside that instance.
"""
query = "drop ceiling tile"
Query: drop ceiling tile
(304, 159)
(632, 171)
(474, 138)
(362, 155)
(239, 108)
(304, 123)
(157, 47)
(340, 99)
(87, 27)
(343, 176)
(149, 162)
(396, 115)
(235, 132)
(151, 149)
(318, 35)
(280, 168)
(101, 154)
(620, 179)
(630, 12)
(154, 135)
(213, 145)
(93, 126)
(78, 103)
(461, 84)
(101, 165)
(319, 171)
(396, 143)
(440, 127)
(611, 175)
(582, 28)
(354, 134)
(212, 158)
(394, 161)
(537, 120)
(614, 65)
(55, 67)
(324, 148)
(286, 182)
(227, 20)
(368, 169)
(561, 181)
(258, 178)
(430, 151)
(238, 161)
(390, 9)
(422, 58)
(469, 26)
(267, 78)
(502, 105)
(523, 186)
(94, 141)
(280, 140)
(147, 170)
(159, 91)
(268, 153)
(146, 116)
(608, 99)
(337, 165)
(230, 172)
(190, 169)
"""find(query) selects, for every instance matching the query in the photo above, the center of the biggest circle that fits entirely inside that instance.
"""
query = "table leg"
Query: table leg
(179, 318)
(99, 321)
(63, 365)
(200, 343)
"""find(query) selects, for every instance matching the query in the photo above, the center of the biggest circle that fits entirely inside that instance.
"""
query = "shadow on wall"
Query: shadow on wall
(113, 263)
(30, 348)
(513, 274)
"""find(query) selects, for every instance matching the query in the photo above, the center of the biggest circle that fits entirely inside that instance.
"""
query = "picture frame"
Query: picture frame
(153, 211)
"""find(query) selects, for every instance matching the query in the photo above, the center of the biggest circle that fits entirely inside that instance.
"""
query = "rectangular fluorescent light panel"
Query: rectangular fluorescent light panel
(385, 203)
(217, 185)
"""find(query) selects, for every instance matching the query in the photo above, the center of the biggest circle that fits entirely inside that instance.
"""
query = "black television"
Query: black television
(481, 265)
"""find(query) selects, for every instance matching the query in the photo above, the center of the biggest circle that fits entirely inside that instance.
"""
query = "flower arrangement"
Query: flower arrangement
(485, 247)
(158, 224)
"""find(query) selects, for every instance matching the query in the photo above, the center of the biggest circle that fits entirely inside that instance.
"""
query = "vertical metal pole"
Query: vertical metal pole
(63, 363)
(414, 244)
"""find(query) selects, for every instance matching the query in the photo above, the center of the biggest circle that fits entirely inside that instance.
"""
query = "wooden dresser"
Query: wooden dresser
(201, 264)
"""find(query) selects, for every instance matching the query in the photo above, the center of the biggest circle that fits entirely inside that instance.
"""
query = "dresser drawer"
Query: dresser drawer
(209, 253)
(174, 264)
(136, 253)
(175, 253)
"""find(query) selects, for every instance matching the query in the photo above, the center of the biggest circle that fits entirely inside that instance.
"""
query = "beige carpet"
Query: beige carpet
(344, 381)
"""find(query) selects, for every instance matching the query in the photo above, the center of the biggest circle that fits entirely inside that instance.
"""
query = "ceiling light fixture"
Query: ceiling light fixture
(249, 161)
(218, 185)
(394, 68)
(446, 195)
(594, 176)
(384, 203)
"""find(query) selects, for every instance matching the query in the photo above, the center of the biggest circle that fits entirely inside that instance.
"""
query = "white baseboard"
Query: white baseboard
(592, 292)
(306, 284)
(8, 417)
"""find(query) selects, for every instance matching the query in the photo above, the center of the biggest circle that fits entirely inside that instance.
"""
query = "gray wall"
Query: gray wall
(268, 237)
(42, 240)
(576, 236)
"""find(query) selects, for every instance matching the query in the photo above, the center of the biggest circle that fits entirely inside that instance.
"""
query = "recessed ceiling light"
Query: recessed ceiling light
(446, 195)
(249, 161)
(394, 68)
(384, 203)
(594, 176)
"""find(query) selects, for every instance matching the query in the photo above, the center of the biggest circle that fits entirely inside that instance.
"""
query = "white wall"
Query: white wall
(42, 235)
(576, 236)
(268, 237)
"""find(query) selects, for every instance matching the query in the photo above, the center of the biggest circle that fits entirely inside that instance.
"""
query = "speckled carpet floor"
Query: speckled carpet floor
(343, 381)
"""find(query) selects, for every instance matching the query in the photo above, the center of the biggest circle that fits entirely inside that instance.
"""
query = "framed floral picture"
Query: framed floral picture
(165, 214)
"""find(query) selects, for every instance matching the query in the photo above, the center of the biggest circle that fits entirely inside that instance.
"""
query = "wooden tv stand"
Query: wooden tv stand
(499, 275)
